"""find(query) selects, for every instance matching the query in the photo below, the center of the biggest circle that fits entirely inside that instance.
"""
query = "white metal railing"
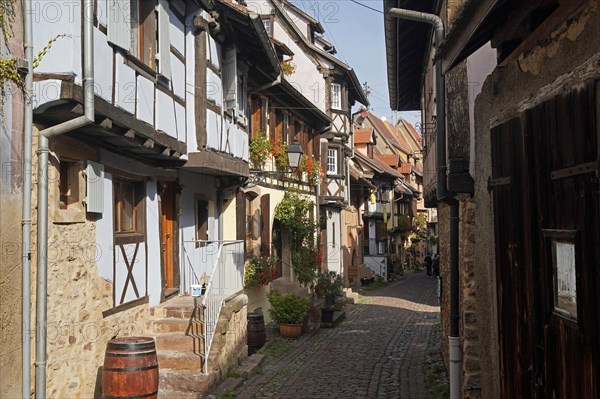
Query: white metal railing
(224, 279)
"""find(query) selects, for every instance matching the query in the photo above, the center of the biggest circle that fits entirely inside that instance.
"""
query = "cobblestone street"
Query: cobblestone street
(378, 351)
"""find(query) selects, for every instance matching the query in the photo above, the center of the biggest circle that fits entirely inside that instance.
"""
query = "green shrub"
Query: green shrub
(287, 308)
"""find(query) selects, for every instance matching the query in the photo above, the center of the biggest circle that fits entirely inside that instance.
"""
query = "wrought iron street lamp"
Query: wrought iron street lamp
(294, 154)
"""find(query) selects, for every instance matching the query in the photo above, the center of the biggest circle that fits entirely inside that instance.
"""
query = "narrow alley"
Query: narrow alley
(378, 351)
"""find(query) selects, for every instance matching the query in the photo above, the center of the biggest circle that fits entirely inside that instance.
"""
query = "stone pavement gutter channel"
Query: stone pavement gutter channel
(377, 352)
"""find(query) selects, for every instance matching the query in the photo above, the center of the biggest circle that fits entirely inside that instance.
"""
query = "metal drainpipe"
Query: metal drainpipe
(43, 150)
(443, 194)
(26, 211)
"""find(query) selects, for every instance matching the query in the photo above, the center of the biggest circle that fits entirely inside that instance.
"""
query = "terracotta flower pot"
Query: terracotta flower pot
(290, 330)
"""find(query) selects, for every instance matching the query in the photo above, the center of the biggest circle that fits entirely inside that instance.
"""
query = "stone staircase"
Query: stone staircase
(178, 331)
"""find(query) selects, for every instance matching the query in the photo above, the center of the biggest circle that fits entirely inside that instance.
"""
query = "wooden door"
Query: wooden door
(566, 183)
(168, 232)
(513, 267)
(546, 198)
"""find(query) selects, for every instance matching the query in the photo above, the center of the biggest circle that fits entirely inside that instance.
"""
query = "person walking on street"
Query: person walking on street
(428, 265)
(436, 264)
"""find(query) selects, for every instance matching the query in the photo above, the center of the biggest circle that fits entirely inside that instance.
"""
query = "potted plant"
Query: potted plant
(260, 270)
(329, 286)
(289, 311)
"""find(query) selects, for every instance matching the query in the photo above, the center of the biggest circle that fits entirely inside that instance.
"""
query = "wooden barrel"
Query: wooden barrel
(256, 332)
(130, 369)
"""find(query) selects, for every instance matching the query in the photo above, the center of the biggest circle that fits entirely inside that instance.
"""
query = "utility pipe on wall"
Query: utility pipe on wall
(43, 150)
(442, 191)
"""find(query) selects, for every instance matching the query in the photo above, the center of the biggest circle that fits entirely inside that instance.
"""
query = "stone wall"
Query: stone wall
(469, 312)
(229, 344)
(76, 330)
(444, 251)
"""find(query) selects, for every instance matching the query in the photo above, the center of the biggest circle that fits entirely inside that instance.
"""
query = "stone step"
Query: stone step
(177, 341)
(179, 360)
(186, 381)
(174, 325)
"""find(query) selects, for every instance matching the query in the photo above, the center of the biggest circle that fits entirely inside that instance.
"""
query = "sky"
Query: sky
(357, 33)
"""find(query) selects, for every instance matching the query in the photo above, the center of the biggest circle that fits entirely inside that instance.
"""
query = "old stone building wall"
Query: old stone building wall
(469, 312)
(444, 251)
(76, 330)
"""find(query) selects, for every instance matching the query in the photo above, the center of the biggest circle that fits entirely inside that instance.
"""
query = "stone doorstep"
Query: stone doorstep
(179, 360)
(190, 381)
(178, 341)
(246, 370)
(173, 325)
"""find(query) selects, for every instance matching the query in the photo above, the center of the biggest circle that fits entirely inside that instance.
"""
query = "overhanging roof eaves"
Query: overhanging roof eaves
(248, 33)
(285, 93)
(407, 45)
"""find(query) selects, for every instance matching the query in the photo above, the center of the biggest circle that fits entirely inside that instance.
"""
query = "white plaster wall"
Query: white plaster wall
(300, 22)
(213, 128)
(154, 252)
(145, 100)
(165, 114)
(214, 90)
(103, 66)
(45, 92)
(200, 259)
(190, 87)
(180, 122)
(214, 52)
(139, 272)
(104, 232)
(479, 66)
(125, 86)
(306, 79)
(50, 19)
(334, 237)
(176, 32)
(178, 76)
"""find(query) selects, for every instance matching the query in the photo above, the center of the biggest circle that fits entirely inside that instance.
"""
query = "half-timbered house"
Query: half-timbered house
(142, 198)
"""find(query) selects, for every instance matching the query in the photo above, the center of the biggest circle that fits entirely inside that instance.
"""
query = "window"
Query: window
(332, 161)
(141, 27)
(69, 184)
(249, 224)
(129, 216)
(201, 220)
(565, 287)
(267, 23)
(242, 99)
(336, 96)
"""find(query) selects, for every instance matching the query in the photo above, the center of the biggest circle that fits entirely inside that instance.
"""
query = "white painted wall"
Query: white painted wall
(52, 19)
(306, 79)
(154, 250)
(479, 65)
(334, 240)
(198, 259)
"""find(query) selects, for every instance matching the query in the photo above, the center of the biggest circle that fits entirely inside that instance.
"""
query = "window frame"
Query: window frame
(138, 216)
(569, 237)
(336, 105)
(335, 157)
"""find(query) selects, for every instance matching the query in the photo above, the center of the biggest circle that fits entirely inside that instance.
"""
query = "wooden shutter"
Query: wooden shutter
(265, 225)
(254, 116)
(240, 209)
(230, 78)
(95, 187)
(119, 23)
(272, 123)
(164, 42)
